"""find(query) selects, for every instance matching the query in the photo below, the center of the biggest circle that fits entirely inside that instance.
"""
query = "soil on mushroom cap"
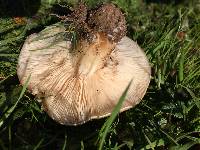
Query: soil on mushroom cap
(109, 19)
(106, 18)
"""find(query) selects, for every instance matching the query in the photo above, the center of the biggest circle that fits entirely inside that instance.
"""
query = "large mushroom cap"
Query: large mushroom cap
(79, 80)
(75, 86)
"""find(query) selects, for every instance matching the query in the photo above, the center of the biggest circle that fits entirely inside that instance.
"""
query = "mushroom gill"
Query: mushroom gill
(78, 84)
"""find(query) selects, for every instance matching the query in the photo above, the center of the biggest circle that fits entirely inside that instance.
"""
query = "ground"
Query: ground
(168, 116)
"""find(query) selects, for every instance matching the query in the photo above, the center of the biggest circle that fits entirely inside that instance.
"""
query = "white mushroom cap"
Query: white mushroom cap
(75, 86)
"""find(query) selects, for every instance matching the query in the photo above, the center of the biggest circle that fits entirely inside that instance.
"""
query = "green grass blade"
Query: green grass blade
(7, 114)
(169, 137)
(181, 67)
(82, 145)
(184, 147)
(194, 98)
(9, 55)
(38, 145)
(10, 136)
(108, 123)
(152, 145)
(65, 143)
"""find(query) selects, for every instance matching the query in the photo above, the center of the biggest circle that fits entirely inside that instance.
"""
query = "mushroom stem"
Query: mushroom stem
(94, 55)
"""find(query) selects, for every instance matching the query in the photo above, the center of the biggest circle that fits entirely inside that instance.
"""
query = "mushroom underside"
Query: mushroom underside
(72, 96)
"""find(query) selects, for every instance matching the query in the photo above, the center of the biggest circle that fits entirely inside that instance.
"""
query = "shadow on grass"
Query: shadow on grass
(7, 87)
(18, 8)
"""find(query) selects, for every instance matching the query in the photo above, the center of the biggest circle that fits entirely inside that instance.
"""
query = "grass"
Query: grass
(167, 118)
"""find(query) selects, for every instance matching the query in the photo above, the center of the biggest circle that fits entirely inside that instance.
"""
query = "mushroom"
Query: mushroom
(79, 79)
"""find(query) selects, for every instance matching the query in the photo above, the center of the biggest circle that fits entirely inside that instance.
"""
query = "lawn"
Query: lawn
(168, 116)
